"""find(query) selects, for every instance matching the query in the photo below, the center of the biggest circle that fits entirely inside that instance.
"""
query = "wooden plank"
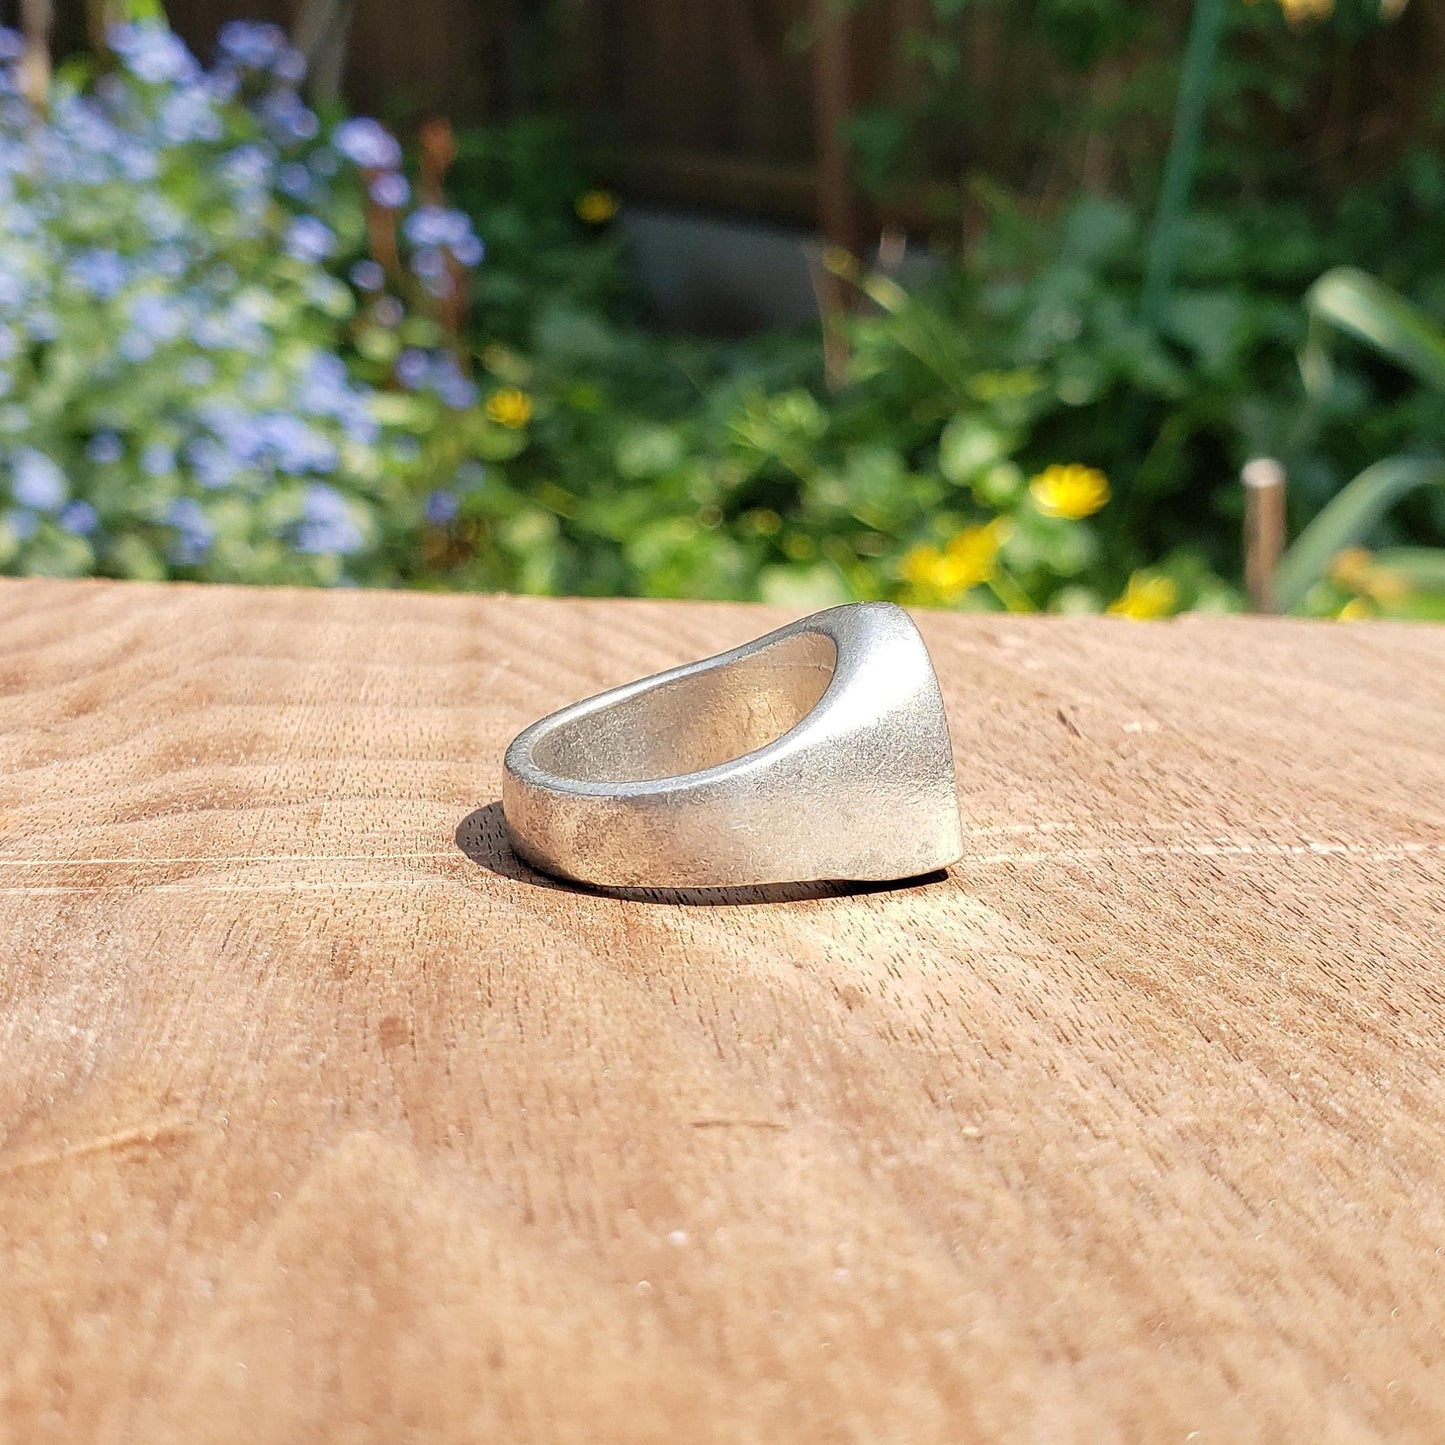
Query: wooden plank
(321, 1118)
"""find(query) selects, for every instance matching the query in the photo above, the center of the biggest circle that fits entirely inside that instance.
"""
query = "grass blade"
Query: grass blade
(1361, 307)
(1346, 522)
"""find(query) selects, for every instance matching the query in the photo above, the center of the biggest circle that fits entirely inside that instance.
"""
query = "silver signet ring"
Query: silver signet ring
(817, 752)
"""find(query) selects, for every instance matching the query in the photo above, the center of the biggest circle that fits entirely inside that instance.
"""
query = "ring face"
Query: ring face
(820, 751)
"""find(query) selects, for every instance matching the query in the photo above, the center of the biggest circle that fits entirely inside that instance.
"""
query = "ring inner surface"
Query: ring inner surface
(695, 722)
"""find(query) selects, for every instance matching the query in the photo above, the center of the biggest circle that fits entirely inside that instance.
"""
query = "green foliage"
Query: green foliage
(1011, 434)
(521, 184)
(1182, 159)
(1361, 307)
(1348, 521)
(1053, 96)
(1413, 582)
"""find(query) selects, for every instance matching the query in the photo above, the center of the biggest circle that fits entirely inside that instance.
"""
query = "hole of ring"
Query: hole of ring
(692, 723)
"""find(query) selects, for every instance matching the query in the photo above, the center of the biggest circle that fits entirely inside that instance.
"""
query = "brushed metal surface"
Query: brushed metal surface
(819, 751)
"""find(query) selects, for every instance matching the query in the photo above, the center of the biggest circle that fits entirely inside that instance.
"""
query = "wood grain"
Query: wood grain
(323, 1119)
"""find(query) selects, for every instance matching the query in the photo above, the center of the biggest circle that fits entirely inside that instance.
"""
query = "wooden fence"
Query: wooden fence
(725, 104)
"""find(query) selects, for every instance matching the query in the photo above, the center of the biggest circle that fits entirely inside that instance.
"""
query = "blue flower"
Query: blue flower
(367, 144)
(430, 263)
(327, 525)
(168, 261)
(166, 222)
(229, 330)
(309, 240)
(368, 276)
(389, 189)
(158, 460)
(436, 226)
(327, 372)
(433, 229)
(290, 66)
(188, 115)
(152, 53)
(36, 481)
(327, 391)
(469, 250)
(101, 272)
(187, 513)
(12, 44)
(198, 371)
(104, 448)
(214, 465)
(388, 311)
(288, 116)
(442, 507)
(225, 83)
(456, 390)
(154, 321)
(361, 425)
(413, 367)
(296, 446)
(295, 180)
(80, 518)
(252, 43)
(248, 167)
(197, 534)
(135, 162)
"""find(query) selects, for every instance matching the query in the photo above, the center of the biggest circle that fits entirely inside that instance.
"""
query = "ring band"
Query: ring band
(817, 752)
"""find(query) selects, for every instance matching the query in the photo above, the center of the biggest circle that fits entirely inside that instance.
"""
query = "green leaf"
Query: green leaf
(1096, 230)
(1346, 521)
(803, 588)
(648, 451)
(143, 12)
(969, 446)
(1213, 325)
(497, 443)
(1361, 307)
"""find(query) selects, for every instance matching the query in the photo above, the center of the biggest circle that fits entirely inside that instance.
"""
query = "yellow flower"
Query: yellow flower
(1355, 570)
(1146, 597)
(1071, 491)
(1355, 610)
(1296, 11)
(597, 207)
(1351, 568)
(967, 561)
(510, 407)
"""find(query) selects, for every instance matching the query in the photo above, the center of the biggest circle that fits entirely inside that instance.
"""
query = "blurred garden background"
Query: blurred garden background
(1038, 305)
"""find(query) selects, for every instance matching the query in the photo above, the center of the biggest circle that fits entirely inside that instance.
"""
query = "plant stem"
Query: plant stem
(1200, 52)
(36, 19)
(1013, 597)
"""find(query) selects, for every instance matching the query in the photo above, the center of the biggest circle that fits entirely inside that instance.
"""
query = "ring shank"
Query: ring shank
(820, 751)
